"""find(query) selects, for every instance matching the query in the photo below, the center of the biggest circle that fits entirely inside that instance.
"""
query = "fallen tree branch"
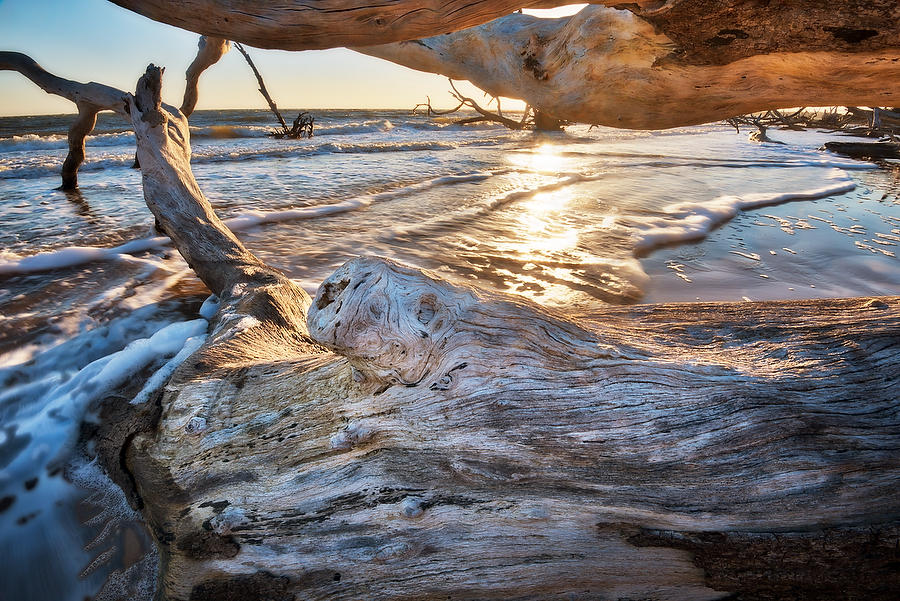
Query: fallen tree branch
(485, 116)
(209, 51)
(303, 124)
(299, 25)
(531, 118)
(262, 87)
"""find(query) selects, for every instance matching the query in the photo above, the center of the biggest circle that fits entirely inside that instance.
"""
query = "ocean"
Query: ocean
(91, 296)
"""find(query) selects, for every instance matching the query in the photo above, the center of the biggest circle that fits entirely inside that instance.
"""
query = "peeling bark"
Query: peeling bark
(609, 67)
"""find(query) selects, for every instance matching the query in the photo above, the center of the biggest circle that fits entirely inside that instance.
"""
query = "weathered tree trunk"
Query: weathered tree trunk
(263, 90)
(81, 127)
(610, 67)
(460, 444)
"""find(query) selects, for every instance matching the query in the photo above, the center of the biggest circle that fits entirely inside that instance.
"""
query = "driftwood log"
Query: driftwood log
(400, 437)
(612, 67)
(301, 25)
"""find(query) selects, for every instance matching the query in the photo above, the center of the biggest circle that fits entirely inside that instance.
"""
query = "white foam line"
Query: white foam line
(79, 255)
(254, 218)
(691, 220)
(161, 376)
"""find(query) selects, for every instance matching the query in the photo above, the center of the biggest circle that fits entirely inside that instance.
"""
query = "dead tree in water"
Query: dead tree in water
(874, 122)
(303, 124)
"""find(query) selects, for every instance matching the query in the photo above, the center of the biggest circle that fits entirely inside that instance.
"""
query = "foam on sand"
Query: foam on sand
(693, 220)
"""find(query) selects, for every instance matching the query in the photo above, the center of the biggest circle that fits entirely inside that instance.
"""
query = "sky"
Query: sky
(95, 40)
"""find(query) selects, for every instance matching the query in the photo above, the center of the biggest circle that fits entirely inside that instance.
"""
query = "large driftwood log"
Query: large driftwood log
(611, 67)
(453, 443)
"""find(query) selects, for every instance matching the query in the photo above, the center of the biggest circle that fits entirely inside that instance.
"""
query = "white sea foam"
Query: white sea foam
(693, 220)
(50, 423)
(75, 255)
(354, 127)
(60, 141)
(253, 218)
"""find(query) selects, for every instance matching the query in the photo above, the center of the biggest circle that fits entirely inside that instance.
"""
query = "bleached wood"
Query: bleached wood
(475, 446)
(609, 67)
(209, 51)
(91, 98)
(102, 96)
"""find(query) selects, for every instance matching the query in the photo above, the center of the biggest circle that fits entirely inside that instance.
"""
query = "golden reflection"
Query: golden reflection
(545, 158)
(544, 232)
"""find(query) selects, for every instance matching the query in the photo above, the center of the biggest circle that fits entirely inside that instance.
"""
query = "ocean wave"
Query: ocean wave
(354, 127)
(226, 132)
(72, 256)
(805, 159)
(46, 166)
(50, 166)
(12, 264)
(254, 218)
(26, 142)
(298, 150)
(491, 205)
(693, 220)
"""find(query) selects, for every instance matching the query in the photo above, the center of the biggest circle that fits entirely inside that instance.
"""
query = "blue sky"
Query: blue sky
(95, 40)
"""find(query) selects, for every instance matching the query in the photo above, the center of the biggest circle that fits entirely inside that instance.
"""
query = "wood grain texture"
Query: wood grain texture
(719, 32)
(402, 437)
(298, 25)
(476, 446)
(609, 67)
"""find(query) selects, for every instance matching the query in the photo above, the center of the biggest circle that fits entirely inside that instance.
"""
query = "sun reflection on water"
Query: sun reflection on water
(545, 158)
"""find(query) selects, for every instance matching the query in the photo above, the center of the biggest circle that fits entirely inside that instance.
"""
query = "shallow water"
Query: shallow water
(89, 296)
